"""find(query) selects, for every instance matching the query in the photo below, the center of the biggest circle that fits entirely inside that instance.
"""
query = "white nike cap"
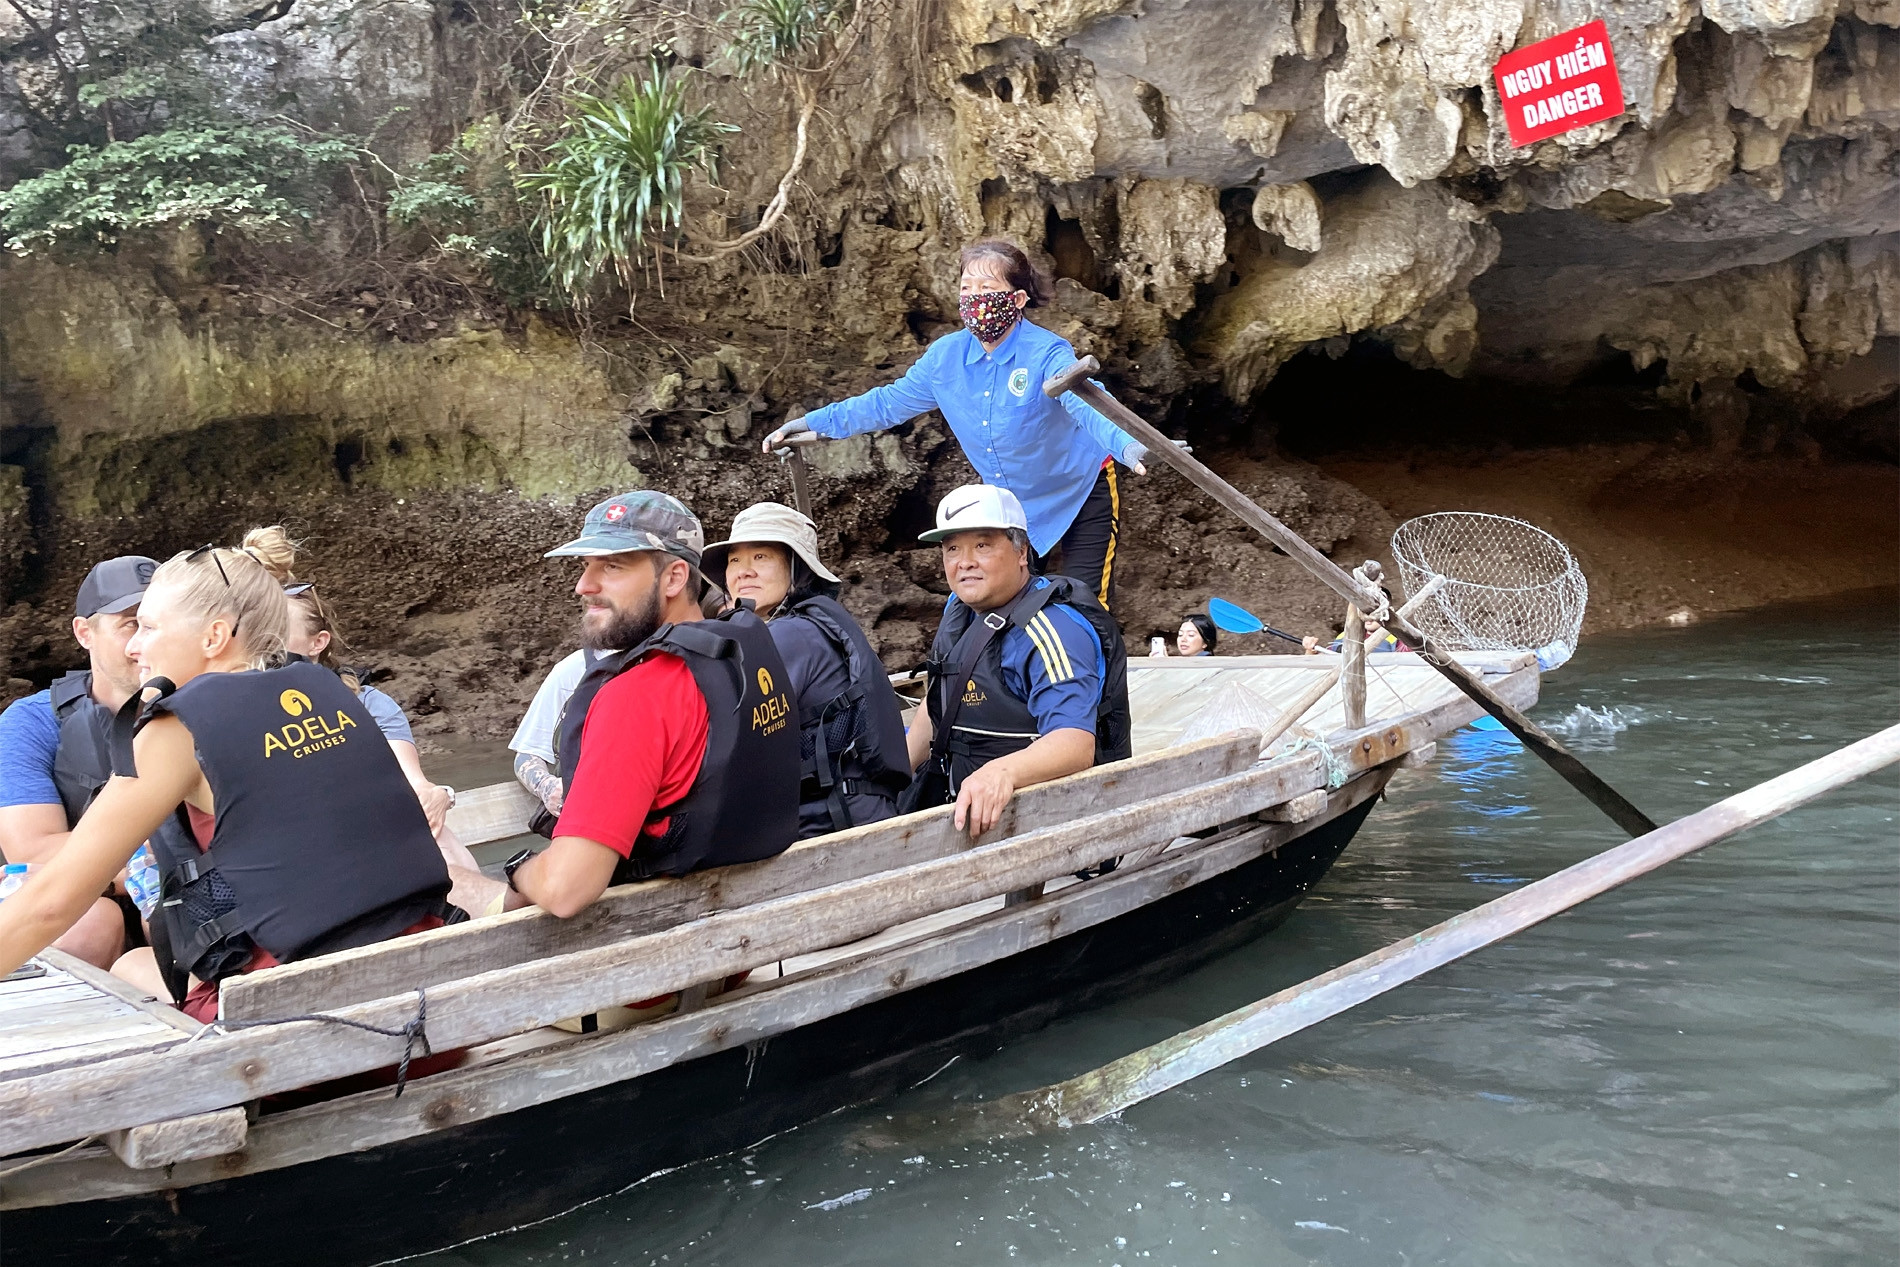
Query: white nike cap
(976, 506)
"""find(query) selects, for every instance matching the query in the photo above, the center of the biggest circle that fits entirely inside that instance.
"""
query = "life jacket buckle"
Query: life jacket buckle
(995, 620)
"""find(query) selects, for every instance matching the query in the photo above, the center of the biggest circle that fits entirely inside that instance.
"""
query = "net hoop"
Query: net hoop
(1509, 585)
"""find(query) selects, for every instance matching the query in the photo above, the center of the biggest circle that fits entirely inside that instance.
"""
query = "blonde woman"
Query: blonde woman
(313, 636)
(282, 821)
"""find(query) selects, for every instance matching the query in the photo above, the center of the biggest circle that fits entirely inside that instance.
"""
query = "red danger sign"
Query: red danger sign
(1564, 82)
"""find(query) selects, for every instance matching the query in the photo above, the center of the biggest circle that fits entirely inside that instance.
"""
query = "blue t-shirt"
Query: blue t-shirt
(29, 740)
(1054, 664)
(1047, 452)
(387, 714)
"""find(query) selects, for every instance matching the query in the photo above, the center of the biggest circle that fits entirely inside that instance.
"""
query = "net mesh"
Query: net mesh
(1509, 586)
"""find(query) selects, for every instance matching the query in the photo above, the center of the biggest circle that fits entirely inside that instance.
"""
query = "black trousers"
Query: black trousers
(1087, 550)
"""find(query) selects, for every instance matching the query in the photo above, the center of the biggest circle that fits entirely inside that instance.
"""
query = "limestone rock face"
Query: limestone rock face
(1389, 255)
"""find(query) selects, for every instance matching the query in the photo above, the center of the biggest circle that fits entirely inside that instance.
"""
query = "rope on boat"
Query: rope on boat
(1337, 771)
(413, 1031)
(43, 1158)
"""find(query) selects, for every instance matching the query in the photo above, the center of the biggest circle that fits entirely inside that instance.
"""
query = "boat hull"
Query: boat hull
(473, 1180)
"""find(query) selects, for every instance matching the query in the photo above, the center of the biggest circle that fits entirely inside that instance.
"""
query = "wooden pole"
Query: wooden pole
(1134, 1078)
(794, 456)
(1528, 732)
(1352, 668)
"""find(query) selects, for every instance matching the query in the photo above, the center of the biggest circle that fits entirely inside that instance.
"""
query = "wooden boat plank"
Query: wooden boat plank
(73, 1015)
(1165, 694)
(371, 1119)
(332, 981)
(485, 814)
(120, 988)
(232, 1069)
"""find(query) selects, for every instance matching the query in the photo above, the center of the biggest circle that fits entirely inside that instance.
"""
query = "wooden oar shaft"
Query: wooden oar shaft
(1529, 733)
(801, 482)
(1135, 1077)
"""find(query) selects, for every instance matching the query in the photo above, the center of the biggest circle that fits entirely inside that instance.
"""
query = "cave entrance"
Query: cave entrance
(1365, 400)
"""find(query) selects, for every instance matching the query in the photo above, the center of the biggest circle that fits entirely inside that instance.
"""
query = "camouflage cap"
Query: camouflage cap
(641, 520)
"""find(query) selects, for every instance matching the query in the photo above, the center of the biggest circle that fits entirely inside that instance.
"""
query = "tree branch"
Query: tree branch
(774, 210)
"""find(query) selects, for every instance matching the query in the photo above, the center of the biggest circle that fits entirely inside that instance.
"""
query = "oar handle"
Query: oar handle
(1606, 798)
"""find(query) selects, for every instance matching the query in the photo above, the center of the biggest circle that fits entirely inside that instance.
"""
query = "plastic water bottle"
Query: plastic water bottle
(12, 876)
(141, 880)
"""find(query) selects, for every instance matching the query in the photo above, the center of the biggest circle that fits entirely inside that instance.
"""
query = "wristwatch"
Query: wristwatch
(513, 865)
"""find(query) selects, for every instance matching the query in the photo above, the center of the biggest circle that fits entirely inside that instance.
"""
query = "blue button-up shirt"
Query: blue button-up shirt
(1047, 452)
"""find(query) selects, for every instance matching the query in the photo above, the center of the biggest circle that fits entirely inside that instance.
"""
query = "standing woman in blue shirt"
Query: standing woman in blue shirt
(1057, 456)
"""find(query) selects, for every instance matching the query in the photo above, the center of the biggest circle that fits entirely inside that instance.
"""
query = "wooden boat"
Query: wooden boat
(130, 1135)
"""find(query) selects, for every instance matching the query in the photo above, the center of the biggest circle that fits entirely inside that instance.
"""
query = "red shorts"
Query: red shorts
(201, 1004)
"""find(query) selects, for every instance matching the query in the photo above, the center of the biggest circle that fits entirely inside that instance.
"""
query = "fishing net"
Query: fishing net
(1508, 586)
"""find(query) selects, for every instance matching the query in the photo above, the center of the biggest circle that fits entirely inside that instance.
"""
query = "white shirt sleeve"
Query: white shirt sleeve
(535, 735)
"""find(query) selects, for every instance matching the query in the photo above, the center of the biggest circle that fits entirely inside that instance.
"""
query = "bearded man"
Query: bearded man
(679, 752)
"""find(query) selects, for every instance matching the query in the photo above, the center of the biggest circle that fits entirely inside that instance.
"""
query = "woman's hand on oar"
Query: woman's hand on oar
(791, 431)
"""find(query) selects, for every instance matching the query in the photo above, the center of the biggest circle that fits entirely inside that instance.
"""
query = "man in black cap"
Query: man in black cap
(53, 745)
(678, 751)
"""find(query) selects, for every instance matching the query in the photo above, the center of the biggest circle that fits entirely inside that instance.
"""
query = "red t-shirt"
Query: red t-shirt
(642, 746)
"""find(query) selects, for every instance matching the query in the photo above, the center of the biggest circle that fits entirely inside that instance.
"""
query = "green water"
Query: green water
(1699, 1068)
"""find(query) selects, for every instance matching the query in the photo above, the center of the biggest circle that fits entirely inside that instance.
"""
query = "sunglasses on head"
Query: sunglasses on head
(212, 550)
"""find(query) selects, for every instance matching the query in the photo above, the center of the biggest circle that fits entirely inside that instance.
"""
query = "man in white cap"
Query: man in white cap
(53, 745)
(853, 759)
(1028, 674)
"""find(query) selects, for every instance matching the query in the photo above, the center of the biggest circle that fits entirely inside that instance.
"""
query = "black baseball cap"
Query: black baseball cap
(115, 585)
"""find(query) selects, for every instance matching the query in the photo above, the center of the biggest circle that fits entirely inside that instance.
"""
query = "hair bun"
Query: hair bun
(272, 547)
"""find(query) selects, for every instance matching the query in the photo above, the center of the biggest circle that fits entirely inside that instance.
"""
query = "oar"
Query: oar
(1533, 736)
(1115, 1086)
(1234, 618)
(793, 457)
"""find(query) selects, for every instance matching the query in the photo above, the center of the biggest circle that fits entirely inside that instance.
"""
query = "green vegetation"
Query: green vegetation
(262, 180)
(567, 186)
(779, 36)
(618, 176)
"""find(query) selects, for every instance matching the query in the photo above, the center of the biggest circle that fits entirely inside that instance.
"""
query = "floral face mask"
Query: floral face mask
(990, 314)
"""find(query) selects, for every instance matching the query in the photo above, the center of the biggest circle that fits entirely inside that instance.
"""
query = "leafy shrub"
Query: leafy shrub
(261, 180)
(778, 35)
(618, 175)
(435, 192)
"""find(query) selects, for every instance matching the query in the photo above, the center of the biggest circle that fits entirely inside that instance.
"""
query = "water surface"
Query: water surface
(1698, 1068)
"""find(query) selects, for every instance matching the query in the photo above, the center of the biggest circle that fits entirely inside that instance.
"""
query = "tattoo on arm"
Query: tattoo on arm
(539, 778)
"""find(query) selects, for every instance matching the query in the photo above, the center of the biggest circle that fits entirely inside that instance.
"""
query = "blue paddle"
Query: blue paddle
(1233, 618)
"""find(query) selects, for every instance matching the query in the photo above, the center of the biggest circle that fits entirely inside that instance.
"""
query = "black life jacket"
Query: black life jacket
(83, 762)
(743, 806)
(319, 844)
(852, 743)
(986, 721)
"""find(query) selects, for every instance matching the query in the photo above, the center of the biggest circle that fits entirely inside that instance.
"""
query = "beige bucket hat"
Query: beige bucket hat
(773, 522)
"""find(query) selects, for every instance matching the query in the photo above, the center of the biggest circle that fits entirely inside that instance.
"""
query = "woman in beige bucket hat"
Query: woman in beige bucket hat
(851, 725)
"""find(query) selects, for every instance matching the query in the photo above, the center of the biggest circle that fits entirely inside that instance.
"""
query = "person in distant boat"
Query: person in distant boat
(313, 636)
(677, 753)
(853, 760)
(1376, 638)
(1196, 636)
(1028, 677)
(54, 752)
(1057, 456)
(279, 832)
